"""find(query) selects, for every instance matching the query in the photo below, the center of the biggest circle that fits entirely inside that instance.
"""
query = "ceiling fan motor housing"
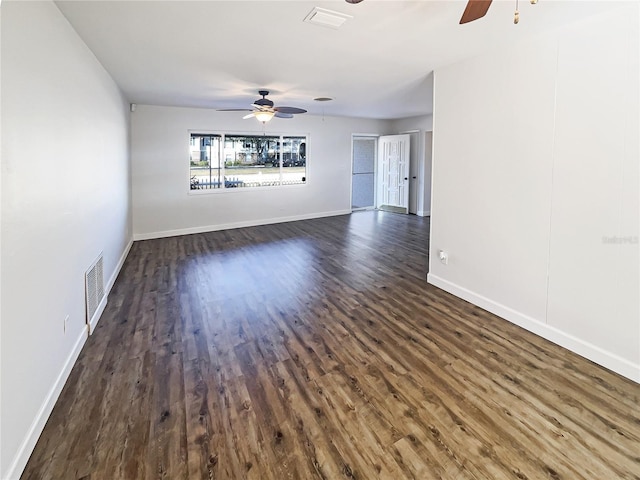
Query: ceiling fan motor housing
(264, 102)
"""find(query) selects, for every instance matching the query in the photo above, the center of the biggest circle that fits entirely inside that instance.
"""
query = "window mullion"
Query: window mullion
(281, 152)
(210, 165)
(221, 162)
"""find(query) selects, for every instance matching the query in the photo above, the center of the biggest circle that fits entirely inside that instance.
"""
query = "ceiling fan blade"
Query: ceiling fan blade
(283, 115)
(234, 110)
(251, 115)
(290, 110)
(475, 9)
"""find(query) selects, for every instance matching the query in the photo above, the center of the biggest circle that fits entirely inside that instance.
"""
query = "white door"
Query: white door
(393, 173)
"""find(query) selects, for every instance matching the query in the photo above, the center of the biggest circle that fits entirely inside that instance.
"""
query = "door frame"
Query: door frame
(415, 170)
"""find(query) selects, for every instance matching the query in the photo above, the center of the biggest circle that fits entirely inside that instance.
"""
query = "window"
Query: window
(204, 155)
(222, 161)
(294, 160)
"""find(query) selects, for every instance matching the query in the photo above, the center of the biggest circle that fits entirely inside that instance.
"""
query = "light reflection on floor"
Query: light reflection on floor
(247, 272)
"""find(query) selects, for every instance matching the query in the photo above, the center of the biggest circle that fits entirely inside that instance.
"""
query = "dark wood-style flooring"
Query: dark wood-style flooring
(316, 350)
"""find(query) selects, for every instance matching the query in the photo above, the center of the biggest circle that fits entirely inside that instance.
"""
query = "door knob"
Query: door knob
(406, 178)
(414, 176)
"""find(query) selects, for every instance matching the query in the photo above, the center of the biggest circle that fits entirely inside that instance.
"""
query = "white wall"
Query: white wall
(535, 162)
(163, 205)
(65, 198)
(421, 145)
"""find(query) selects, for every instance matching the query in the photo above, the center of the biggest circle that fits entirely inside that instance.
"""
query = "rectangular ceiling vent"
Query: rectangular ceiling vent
(326, 18)
(94, 289)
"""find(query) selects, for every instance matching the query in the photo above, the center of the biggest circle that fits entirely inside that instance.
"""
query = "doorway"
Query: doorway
(363, 173)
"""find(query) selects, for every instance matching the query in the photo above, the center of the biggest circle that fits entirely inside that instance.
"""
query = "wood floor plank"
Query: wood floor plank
(316, 350)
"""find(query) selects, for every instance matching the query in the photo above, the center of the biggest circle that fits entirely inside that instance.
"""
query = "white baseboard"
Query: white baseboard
(28, 444)
(116, 271)
(363, 209)
(228, 226)
(423, 213)
(93, 323)
(103, 304)
(592, 352)
(26, 448)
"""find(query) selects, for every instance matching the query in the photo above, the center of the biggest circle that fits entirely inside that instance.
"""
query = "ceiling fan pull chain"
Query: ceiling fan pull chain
(516, 15)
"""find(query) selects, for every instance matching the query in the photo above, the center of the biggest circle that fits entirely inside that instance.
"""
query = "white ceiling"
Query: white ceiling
(218, 54)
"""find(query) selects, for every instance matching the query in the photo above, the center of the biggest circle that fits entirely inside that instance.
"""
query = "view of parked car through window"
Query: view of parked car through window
(219, 161)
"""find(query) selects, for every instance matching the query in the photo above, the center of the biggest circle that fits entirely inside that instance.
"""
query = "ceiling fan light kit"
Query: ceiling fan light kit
(264, 117)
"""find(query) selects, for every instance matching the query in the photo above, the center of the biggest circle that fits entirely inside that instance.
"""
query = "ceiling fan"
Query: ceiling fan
(474, 10)
(263, 109)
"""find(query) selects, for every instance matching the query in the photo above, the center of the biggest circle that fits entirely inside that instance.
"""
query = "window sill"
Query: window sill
(218, 191)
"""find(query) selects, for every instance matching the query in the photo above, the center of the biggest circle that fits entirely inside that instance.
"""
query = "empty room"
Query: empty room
(320, 240)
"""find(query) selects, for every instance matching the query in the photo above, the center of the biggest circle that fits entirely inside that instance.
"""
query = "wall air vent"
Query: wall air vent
(94, 292)
(326, 18)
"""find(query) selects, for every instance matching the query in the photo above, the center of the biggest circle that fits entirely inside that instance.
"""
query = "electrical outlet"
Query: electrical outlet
(64, 326)
(444, 257)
